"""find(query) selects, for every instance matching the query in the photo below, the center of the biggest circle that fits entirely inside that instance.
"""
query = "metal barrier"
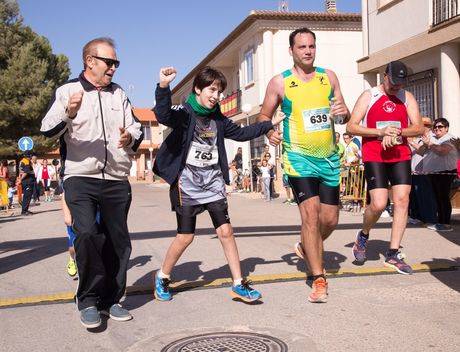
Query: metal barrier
(353, 191)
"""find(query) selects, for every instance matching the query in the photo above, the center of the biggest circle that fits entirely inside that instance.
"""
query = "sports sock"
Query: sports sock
(314, 277)
(237, 282)
(391, 252)
(162, 275)
(70, 232)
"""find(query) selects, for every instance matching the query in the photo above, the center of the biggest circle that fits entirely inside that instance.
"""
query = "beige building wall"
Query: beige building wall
(398, 20)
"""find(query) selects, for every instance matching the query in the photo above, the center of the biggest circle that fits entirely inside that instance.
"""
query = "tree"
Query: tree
(29, 74)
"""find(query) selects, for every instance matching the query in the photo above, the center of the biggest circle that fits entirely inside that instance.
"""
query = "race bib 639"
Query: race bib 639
(316, 119)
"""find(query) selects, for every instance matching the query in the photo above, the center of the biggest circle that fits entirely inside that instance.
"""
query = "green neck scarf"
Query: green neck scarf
(199, 109)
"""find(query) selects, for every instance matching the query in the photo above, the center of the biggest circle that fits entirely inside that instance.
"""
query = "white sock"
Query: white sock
(237, 282)
(162, 275)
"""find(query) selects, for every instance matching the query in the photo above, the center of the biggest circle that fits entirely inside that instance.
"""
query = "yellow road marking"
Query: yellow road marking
(64, 297)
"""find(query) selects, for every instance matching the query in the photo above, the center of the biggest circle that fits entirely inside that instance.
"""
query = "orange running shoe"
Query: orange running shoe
(319, 291)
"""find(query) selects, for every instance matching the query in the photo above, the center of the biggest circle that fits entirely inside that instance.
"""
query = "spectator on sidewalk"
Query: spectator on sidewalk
(45, 173)
(340, 147)
(37, 189)
(238, 159)
(27, 180)
(351, 153)
(265, 168)
(233, 176)
(266, 153)
(440, 163)
(4, 173)
(246, 181)
(255, 174)
(287, 187)
(11, 192)
(422, 203)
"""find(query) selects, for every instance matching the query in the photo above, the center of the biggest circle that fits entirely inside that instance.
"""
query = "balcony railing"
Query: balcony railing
(444, 10)
(231, 104)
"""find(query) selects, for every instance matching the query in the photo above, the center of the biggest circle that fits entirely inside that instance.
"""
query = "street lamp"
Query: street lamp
(150, 172)
(151, 151)
(246, 108)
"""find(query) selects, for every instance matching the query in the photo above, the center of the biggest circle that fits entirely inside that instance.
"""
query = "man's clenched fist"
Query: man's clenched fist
(74, 104)
(125, 138)
(167, 75)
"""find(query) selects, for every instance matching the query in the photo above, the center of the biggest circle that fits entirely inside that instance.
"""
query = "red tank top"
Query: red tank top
(45, 175)
(382, 111)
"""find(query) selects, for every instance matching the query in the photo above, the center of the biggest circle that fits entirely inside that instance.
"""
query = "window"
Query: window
(422, 86)
(257, 146)
(147, 132)
(444, 10)
(249, 66)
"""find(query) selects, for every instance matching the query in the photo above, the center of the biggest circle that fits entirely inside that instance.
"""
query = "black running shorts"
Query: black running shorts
(304, 188)
(379, 174)
(186, 215)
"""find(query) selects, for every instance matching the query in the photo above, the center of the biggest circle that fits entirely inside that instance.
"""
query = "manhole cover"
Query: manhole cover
(227, 342)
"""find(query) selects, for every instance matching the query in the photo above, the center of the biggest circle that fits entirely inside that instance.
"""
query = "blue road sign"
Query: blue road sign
(25, 143)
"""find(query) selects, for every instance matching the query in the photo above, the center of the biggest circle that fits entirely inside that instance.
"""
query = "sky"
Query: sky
(149, 34)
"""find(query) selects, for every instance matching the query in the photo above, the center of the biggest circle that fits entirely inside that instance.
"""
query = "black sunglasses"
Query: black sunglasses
(108, 62)
(438, 127)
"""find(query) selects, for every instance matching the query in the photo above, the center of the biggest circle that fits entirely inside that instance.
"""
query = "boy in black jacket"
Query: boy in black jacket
(193, 161)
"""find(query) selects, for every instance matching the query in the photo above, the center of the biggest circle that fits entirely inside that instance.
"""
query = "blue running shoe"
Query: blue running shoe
(359, 248)
(245, 292)
(162, 289)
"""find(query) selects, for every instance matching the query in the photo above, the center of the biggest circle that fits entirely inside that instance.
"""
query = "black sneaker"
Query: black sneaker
(26, 213)
(90, 318)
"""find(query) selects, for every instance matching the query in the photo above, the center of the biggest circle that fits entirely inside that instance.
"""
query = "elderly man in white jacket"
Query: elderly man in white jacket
(98, 132)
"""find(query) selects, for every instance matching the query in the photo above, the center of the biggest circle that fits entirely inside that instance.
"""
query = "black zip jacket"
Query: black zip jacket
(171, 158)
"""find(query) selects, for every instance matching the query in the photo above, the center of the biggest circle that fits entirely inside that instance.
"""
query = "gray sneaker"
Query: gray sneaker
(118, 313)
(90, 318)
(440, 227)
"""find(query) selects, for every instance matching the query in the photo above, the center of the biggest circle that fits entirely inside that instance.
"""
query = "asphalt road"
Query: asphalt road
(369, 307)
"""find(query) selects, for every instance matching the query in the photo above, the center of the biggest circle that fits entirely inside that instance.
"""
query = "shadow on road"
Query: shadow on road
(448, 278)
(376, 250)
(17, 215)
(26, 252)
(332, 261)
(249, 231)
(12, 218)
(452, 236)
(139, 261)
(190, 271)
(31, 251)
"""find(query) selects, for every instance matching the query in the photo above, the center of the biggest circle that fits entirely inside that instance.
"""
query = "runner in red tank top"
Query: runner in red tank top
(389, 115)
(385, 110)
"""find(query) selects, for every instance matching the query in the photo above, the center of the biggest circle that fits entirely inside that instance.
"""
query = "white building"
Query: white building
(257, 49)
(425, 35)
